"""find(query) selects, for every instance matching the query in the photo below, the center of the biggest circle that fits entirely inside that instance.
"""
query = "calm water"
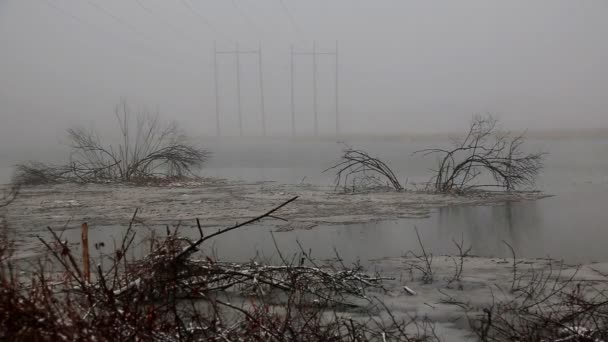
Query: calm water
(570, 225)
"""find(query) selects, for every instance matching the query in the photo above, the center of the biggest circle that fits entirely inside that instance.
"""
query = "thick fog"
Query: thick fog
(404, 66)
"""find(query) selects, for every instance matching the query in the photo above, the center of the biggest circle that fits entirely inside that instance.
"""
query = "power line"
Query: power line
(114, 17)
(292, 20)
(204, 20)
(144, 7)
(244, 16)
(74, 17)
(166, 23)
(64, 12)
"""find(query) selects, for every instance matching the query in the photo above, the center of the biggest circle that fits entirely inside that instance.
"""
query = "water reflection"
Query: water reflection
(483, 227)
(486, 227)
(571, 225)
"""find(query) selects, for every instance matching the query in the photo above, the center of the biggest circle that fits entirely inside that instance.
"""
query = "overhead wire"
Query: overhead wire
(291, 19)
(174, 28)
(64, 12)
(118, 19)
(151, 12)
(113, 16)
(245, 17)
(74, 17)
(204, 20)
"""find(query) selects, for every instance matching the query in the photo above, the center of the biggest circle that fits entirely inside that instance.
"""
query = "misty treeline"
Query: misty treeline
(148, 148)
(486, 157)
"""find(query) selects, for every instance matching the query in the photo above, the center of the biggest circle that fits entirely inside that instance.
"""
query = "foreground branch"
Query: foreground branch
(171, 295)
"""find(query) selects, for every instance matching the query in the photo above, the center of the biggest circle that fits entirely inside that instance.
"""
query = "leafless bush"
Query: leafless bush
(358, 170)
(35, 173)
(147, 149)
(547, 307)
(421, 262)
(458, 260)
(485, 151)
(170, 295)
(550, 304)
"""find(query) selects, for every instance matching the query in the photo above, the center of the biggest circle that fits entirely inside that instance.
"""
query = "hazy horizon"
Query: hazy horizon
(404, 66)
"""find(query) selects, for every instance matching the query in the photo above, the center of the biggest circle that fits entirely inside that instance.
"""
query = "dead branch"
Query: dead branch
(421, 262)
(549, 307)
(9, 194)
(459, 262)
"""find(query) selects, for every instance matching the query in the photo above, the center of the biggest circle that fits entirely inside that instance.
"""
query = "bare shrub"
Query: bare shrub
(547, 307)
(422, 262)
(458, 261)
(485, 151)
(148, 148)
(35, 173)
(358, 170)
(548, 304)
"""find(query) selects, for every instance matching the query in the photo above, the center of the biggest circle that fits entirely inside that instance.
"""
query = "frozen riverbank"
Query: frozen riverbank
(451, 301)
(218, 202)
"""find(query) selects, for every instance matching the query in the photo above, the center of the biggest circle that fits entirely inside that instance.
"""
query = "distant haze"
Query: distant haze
(405, 66)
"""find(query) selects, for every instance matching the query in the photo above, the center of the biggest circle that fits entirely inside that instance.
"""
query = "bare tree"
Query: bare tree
(147, 148)
(485, 152)
(358, 169)
(150, 149)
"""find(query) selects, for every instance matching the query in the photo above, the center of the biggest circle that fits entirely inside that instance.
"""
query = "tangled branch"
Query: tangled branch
(9, 194)
(170, 295)
(547, 307)
(485, 152)
(150, 150)
(359, 170)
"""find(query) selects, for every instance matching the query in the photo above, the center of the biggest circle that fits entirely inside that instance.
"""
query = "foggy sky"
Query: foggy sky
(405, 66)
